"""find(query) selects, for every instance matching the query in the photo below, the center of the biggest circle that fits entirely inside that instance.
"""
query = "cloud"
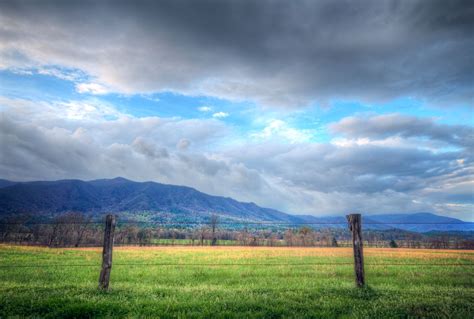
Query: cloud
(361, 169)
(34, 152)
(78, 110)
(106, 125)
(396, 125)
(148, 148)
(183, 144)
(92, 88)
(281, 169)
(205, 109)
(68, 75)
(279, 129)
(220, 115)
(275, 53)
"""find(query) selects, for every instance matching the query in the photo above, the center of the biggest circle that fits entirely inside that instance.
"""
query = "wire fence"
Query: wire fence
(78, 231)
(87, 233)
(239, 264)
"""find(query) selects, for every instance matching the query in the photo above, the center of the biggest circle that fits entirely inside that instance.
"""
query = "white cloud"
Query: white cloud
(68, 75)
(92, 88)
(78, 110)
(220, 115)
(281, 130)
(87, 141)
(205, 108)
(151, 98)
(393, 141)
(58, 111)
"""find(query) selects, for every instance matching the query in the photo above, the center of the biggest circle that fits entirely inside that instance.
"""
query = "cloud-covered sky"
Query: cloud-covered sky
(315, 107)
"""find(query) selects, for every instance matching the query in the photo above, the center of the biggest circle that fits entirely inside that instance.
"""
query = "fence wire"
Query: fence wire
(64, 233)
(239, 264)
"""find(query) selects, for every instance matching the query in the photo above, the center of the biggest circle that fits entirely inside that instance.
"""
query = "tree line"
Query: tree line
(78, 230)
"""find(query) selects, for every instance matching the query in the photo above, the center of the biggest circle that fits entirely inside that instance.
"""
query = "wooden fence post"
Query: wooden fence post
(107, 252)
(354, 221)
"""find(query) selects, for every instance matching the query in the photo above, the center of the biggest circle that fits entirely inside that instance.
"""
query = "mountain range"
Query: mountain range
(47, 198)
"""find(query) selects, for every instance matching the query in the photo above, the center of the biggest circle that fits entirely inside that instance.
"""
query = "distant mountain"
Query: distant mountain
(44, 199)
(122, 195)
(422, 222)
(417, 222)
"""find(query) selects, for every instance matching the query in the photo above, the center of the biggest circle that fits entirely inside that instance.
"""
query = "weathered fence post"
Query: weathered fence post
(355, 221)
(107, 252)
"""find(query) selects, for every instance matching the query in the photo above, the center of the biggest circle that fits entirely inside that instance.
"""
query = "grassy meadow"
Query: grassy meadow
(235, 282)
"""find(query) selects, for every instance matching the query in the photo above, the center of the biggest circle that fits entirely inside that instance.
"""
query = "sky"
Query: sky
(308, 107)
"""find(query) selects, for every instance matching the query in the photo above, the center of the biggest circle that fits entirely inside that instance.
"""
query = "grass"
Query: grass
(291, 287)
(196, 242)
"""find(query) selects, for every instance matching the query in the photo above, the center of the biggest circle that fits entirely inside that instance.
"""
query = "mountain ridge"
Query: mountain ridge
(120, 194)
(123, 195)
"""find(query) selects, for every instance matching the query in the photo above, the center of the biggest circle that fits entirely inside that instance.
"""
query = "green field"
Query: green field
(235, 282)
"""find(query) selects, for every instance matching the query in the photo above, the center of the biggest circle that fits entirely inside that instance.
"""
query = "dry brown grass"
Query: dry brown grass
(236, 252)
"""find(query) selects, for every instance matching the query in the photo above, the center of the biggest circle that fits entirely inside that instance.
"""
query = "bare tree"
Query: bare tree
(202, 235)
(334, 242)
(68, 229)
(54, 233)
(13, 226)
(305, 233)
(144, 236)
(82, 223)
(214, 220)
(289, 237)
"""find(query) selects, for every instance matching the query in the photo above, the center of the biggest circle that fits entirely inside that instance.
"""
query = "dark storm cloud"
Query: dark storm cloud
(383, 126)
(279, 53)
(363, 169)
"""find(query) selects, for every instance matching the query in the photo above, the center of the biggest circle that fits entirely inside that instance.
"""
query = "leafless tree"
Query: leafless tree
(213, 222)
(202, 235)
(305, 234)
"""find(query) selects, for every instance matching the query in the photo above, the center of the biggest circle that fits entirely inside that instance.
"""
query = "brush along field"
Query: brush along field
(236, 282)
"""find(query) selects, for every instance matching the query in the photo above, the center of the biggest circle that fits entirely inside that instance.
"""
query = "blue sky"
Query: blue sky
(313, 113)
(245, 116)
